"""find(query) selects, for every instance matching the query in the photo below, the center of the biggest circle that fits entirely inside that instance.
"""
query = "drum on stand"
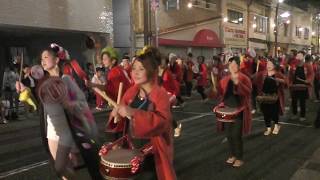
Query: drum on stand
(298, 87)
(226, 114)
(117, 164)
(267, 98)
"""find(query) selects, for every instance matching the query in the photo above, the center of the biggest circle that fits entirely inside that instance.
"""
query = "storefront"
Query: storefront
(235, 39)
(203, 42)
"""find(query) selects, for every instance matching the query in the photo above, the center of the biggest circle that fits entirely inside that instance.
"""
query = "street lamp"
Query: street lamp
(276, 24)
(189, 5)
(285, 14)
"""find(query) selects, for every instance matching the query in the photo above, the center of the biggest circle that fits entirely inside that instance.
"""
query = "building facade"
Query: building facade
(29, 26)
(226, 26)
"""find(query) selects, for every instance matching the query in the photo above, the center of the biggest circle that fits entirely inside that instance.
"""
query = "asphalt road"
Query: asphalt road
(200, 152)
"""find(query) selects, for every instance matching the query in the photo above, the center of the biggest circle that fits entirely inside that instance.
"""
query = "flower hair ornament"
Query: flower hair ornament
(114, 54)
(143, 51)
(61, 52)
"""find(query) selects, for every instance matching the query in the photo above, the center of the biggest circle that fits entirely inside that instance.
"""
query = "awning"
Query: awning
(173, 42)
(203, 38)
(206, 38)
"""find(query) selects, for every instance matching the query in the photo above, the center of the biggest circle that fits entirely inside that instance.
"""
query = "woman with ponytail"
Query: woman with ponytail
(67, 123)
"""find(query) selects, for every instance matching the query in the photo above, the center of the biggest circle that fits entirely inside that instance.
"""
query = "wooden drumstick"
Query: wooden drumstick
(116, 119)
(213, 82)
(258, 63)
(105, 97)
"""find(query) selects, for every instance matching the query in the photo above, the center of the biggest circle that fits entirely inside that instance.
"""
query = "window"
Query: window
(306, 33)
(285, 29)
(235, 17)
(172, 5)
(298, 31)
(260, 24)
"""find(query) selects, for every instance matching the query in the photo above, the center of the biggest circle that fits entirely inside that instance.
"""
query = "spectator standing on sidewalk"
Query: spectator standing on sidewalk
(188, 75)
(3, 112)
(28, 81)
(202, 80)
(98, 78)
(8, 88)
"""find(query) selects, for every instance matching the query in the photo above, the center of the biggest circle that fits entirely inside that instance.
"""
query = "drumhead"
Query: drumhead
(120, 156)
(226, 110)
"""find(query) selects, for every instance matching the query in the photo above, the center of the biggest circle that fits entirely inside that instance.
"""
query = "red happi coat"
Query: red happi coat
(169, 83)
(262, 65)
(293, 63)
(189, 72)
(308, 70)
(283, 64)
(243, 89)
(177, 71)
(246, 67)
(203, 74)
(259, 80)
(113, 79)
(217, 71)
(128, 71)
(316, 70)
(155, 124)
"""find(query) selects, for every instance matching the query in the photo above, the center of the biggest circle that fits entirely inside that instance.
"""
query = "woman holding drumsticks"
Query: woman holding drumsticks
(114, 76)
(148, 106)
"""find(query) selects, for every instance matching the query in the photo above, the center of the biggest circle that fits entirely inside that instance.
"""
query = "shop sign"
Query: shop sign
(234, 33)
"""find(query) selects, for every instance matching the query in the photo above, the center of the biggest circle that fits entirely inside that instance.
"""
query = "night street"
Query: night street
(200, 152)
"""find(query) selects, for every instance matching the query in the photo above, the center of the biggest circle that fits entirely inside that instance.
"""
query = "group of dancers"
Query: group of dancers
(264, 81)
(142, 114)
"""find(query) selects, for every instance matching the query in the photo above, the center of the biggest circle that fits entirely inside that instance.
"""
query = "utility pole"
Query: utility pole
(146, 29)
(318, 33)
(132, 33)
(249, 2)
(156, 22)
(276, 31)
(155, 5)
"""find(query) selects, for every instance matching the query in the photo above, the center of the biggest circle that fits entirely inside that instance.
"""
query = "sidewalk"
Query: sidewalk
(310, 170)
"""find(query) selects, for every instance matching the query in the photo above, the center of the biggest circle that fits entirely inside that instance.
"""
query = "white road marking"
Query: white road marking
(190, 112)
(260, 119)
(23, 169)
(192, 118)
(285, 123)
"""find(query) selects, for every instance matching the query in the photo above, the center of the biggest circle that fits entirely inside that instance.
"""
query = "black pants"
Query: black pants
(200, 90)
(148, 170)
(300, 96)
(234, 135)
(270, 112)
(174, 123)
(253, 97)
(179, 100)
(188, 88)
(316, 85)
